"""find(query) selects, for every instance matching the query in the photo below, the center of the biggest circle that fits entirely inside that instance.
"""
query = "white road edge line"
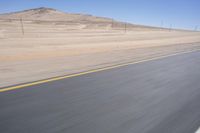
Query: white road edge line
(198, 131)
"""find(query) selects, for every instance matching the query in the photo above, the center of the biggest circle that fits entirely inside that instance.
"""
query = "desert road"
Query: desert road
(158, 96)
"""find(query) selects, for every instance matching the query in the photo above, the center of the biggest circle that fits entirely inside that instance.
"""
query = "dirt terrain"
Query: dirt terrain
(42, 43)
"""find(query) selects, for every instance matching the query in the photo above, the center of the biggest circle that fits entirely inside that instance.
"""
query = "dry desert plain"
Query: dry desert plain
(43, 43)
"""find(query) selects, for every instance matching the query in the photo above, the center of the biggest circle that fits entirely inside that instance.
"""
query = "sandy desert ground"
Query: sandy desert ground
(56, 43)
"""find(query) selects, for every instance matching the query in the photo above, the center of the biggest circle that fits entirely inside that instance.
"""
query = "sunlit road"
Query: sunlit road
(160, 96)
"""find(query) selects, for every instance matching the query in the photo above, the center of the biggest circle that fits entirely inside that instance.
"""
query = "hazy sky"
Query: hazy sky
(178, 13)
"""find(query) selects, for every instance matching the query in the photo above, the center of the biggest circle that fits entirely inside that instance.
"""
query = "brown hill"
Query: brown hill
(44, 14)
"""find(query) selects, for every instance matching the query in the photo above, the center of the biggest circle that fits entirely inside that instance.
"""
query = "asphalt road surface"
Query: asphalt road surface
(160, 96)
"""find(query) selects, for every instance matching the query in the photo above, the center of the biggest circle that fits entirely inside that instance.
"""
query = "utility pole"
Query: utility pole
(170, 28)
(22, 26)
(196, 28)
(112, 23)
(161, 24)
(125, 27)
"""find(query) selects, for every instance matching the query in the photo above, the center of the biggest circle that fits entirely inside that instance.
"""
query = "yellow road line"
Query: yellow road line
(88, 72)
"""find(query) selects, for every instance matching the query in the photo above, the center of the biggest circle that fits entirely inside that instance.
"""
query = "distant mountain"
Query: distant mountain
(44, 13)
(50, 14)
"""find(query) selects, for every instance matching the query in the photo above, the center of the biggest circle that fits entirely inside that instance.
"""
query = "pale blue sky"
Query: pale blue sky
(179, 13)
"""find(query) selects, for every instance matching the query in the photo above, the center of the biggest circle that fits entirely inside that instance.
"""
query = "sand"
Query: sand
(49, 49)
